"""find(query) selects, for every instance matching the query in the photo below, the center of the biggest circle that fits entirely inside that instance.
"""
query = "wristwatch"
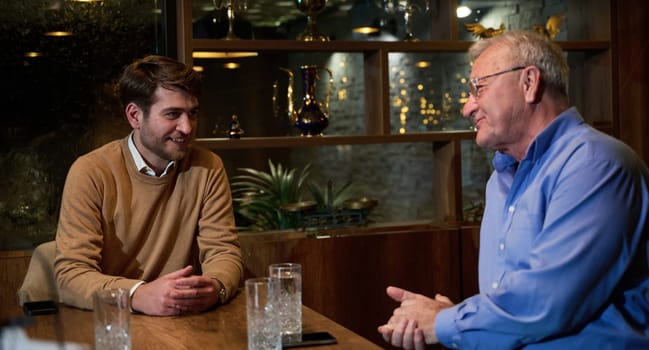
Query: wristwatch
(223, 295)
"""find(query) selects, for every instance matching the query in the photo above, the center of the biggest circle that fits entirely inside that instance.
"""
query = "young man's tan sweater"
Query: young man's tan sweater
(118, 226)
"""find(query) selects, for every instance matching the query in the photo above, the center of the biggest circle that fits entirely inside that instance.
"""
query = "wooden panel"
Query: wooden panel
(331, 46)
(588, 20)
(447, 182)
(591, 69)
(377, 82)
(345, 277)
(633, 87)
(443, 20)
(329, 140)
(184, 31)
(469, 246)
(13, 264)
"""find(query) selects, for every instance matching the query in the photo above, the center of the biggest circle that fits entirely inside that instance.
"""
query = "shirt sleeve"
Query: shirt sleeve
(561, 273)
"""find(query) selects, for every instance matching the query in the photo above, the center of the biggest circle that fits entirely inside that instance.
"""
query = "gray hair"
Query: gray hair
(528, 48)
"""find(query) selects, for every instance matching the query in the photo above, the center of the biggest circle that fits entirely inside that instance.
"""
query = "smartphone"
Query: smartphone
(43, 307)
(309, 339)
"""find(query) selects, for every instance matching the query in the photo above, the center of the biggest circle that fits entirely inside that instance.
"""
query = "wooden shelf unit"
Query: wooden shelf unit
(594, 70)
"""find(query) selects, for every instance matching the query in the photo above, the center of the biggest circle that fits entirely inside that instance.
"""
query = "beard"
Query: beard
(167, 147)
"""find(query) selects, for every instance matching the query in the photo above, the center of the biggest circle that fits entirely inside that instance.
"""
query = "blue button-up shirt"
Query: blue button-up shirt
(563, 248)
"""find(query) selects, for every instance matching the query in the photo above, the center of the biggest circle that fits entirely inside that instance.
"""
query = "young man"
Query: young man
(151, 213)
(563, 245)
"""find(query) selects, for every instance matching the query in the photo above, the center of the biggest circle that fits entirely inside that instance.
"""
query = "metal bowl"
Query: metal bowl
(298, 206)
(360, 203)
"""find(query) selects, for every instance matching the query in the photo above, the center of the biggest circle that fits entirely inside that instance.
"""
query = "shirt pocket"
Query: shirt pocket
(517, 243)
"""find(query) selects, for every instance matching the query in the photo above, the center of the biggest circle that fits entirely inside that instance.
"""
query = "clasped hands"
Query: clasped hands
(175, 293)
(412, 324)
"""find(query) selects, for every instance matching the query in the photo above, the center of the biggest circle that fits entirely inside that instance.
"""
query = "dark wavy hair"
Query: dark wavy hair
(141, 78)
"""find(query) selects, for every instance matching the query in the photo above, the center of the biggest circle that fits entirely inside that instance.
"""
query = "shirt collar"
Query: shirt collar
(141, 165)
(557, 128)
(543, 140)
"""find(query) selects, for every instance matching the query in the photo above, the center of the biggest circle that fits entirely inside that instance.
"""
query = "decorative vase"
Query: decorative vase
(312, 117)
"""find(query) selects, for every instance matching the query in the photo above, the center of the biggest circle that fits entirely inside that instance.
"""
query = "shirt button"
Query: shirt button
(511, 209)
(494, 285)
(501, 246)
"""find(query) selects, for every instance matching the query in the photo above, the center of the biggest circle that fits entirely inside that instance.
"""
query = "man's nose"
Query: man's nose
(470, 107)
(185, 124)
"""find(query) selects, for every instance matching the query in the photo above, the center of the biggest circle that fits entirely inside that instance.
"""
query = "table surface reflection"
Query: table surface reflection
(221, 328)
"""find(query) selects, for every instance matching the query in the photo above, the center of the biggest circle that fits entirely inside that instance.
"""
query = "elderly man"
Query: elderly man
(563, 243)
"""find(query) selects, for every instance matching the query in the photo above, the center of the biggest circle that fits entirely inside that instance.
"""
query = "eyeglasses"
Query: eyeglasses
(474, 88)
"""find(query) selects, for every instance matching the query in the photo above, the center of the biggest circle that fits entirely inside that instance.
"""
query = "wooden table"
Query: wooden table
(221, 328)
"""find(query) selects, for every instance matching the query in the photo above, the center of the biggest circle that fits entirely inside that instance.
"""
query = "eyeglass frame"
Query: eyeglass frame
(473, 83)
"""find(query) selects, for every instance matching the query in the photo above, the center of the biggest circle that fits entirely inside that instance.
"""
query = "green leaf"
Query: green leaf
(259, 195)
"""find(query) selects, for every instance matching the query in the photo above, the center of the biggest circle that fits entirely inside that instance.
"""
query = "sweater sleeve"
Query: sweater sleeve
(79, 238)
(219, 250)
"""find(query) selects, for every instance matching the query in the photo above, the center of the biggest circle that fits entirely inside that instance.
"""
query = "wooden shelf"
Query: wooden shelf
(297, 141)
(592, 64)
(364, 46)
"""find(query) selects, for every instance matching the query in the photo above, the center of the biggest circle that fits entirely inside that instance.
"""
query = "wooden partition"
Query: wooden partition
(13, 266)
(469, 247)
(345, 274)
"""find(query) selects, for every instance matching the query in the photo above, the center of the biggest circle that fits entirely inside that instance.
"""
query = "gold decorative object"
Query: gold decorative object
(298, 206)
(312, 117)
(231, 6)
(479, 31)
(360, 203)
(552, 26)
(311, 8)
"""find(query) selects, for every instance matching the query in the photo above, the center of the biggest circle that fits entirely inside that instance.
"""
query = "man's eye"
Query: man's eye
(173, 115)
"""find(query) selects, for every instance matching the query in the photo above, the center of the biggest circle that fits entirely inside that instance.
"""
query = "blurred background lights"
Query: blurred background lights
(463, 11)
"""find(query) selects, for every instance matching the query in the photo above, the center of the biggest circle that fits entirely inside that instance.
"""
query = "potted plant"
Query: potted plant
(287, 198)
(259, 196)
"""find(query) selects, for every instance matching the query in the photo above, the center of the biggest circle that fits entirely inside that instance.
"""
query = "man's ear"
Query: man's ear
(134, 115)
(532, 84)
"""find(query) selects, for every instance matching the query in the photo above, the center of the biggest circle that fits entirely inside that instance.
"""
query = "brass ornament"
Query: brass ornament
(552, 26)
(479, 31)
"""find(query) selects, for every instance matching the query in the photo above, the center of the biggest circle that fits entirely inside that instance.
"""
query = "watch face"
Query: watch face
(222, 295)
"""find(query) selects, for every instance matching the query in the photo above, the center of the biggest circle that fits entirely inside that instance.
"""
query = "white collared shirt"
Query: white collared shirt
(141, 164)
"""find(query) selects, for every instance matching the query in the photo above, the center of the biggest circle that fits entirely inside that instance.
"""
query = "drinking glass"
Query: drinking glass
(261, 314)
(112, 316)
(289, 298)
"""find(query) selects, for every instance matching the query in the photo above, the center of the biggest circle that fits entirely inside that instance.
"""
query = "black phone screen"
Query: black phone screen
(310, 339)
(44, 307)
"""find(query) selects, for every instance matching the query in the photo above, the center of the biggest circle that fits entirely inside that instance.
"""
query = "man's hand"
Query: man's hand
(412, 324)
(176, 292)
